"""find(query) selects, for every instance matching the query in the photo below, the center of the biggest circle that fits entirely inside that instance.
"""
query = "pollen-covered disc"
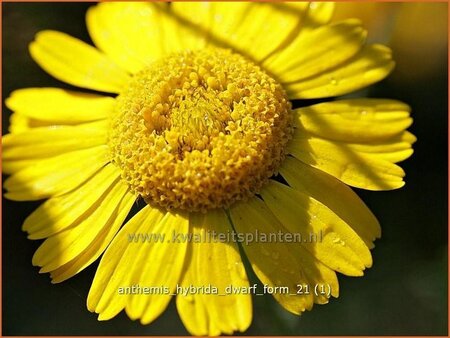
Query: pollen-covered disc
(200, 130)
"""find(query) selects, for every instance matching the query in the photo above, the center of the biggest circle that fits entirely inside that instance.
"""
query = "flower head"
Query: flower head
(203, 131)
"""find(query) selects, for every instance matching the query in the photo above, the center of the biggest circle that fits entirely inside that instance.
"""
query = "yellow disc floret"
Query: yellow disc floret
(200, 130)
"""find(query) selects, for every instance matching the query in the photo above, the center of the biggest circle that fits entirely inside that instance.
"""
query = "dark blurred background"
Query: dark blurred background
(405, 293)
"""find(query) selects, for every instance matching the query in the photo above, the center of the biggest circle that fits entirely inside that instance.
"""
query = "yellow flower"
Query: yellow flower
(204, 132)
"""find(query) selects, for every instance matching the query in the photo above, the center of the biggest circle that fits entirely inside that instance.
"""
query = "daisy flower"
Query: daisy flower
(188, 108)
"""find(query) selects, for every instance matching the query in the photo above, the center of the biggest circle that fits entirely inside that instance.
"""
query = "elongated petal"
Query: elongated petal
(19, 123)
(192, 309)
(395, 156)
(153, 263)
(61, 212)
(98, 246)
(373, 63)
(316, 13)
(229, 25)
(339, 247)
(50, 141)
(355, 120)
(59, 106)
(75, 62)
(56, 175)
(120, 250)
(131, 33)
(219, 264)
(11, 167)
(124, 259)
(358, 169)
(322, 281)
(183, 26)
(304, 57)
(65, 246)
(335, 195)
(272, 262)
(313, 272)
(395, 149)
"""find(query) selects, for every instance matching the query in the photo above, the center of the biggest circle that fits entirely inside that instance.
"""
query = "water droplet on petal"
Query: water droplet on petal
(189, 298)
(333, 81)
(241, 271)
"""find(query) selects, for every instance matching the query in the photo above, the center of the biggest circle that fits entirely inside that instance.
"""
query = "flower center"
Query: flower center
(200, 130)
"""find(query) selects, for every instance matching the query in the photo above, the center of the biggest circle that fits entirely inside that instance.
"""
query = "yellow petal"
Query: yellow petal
(192, 310)
(151, 264)
(319, 13)
(335, 195)
(75, 62)
(322, 281)
(11, 167)
(395, 149)
(373, 63)
(61, 212)
(254, 29)
(166, 265)
(56, 175)
(391, 145)
(65, 246)
(313, 273)
(134, 34)
(192, 307)
(407, 137)
(183, 24)
(59, 106)
(355, 120)
(19, 123)
(273, 262)
(304, 57)
(120, 250)
(131, 33)
(358, 169)
(219, 264)
(395, 156)
(316, 13)
(336, 244)
(97, 247)
(44, 142)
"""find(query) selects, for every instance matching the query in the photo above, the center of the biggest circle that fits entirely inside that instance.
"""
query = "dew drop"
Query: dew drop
(189, 298)
(241, 271)
(334, 81)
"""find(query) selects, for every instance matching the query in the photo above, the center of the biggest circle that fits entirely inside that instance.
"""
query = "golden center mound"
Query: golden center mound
(200, 130)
